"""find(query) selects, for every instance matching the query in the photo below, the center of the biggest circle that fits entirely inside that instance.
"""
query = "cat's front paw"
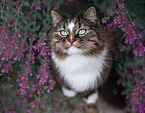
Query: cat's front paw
(68, 93)
(92, 98)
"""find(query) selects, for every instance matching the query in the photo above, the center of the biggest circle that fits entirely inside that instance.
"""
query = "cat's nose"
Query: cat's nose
(71, 41)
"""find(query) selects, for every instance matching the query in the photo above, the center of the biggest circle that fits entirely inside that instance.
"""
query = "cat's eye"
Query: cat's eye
(81, 31)
(63, 33)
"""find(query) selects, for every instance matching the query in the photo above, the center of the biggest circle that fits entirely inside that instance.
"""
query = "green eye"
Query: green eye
(63, 33)
(82, 31)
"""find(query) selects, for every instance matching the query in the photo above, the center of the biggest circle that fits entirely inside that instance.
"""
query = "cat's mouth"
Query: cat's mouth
(72, 50)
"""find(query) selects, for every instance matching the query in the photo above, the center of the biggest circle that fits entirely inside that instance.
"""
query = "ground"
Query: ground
(68, 105)
(62, 104)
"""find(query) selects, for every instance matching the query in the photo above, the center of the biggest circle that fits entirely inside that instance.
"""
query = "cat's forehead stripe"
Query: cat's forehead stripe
(71, 25)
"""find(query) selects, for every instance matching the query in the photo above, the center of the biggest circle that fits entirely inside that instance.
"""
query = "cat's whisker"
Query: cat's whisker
(84, 51)
(112, 59)
(111, 49)
(92, 52)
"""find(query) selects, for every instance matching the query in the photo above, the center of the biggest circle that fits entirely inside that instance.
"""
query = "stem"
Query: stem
(3, 10)
(34, 25)
(18, 15)
(31, 41)
(48, 9)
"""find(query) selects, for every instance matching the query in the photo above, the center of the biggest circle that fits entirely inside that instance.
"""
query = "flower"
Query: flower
(133, 77)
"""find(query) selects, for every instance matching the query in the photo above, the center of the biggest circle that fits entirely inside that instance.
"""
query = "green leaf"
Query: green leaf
(21, 13)
(44, 13)
(25, 22)
(76, 98)
(31, 23)
(26, 3)
(37, 27)
(39, 16)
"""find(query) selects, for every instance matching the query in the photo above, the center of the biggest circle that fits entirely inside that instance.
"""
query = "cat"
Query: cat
(81, 53)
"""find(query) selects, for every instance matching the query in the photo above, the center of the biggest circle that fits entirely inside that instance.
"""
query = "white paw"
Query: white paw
(92, 98)
(68, 93)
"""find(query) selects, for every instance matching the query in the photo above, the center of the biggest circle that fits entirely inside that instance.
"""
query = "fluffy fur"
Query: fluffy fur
(80, 62)
(79, 71)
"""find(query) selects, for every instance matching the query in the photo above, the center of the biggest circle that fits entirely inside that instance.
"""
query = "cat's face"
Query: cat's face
(78, 35)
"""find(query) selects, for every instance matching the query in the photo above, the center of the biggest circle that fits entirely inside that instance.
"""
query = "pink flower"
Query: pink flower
(139, 50)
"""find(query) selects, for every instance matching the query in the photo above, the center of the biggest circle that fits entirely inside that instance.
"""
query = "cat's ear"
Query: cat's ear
(91, 15)
(56, 17)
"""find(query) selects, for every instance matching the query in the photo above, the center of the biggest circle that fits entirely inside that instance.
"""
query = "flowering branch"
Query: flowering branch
(133, 77)
(132, 37)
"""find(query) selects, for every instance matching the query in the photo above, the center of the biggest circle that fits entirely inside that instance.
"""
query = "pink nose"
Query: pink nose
(71, 41)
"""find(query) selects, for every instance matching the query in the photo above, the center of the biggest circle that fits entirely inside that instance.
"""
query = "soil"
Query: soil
(62, 104)
(70, 105)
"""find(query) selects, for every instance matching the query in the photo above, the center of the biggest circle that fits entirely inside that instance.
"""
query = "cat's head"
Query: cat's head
(77, 35)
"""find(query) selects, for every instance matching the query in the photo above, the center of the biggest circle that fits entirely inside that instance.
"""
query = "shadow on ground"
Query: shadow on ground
(62, 104)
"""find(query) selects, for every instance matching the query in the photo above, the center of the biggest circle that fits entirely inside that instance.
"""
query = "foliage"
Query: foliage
(25, 52)
(129, 17)
(24, 48)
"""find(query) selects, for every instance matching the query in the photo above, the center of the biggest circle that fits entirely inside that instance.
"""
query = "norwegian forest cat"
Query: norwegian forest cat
(81, 54)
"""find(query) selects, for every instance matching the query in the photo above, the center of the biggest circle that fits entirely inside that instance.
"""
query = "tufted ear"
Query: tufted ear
(90, 14)
(56, 17)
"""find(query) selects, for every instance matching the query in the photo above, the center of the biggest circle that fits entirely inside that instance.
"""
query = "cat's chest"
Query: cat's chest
(80, 72)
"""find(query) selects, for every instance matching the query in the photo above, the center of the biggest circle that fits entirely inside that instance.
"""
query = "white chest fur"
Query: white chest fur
(79, 71)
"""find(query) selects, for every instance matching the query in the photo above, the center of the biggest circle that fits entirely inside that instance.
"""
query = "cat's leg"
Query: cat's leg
(68, 93)
(91, 99)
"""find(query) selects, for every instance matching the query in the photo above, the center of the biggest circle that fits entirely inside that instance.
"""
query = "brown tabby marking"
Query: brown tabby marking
(93, 42)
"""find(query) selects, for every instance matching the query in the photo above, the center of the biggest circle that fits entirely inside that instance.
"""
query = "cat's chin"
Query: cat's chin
(74, 50)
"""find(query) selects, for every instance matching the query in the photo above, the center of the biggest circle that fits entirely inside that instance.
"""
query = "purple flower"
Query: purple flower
(127, 26)
(37, 5)
(45, 2)
(104, 20)
(139, 50)
(9, 5)
(16, 3)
